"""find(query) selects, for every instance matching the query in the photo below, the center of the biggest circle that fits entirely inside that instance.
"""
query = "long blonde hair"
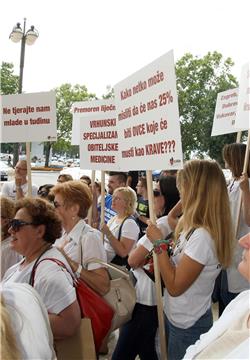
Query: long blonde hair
(9, 349)
(205, 204)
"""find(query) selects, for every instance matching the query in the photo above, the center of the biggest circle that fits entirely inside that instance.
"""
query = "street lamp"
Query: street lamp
(26, 37)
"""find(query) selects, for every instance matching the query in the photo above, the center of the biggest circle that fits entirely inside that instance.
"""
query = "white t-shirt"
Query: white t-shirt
(145, 287)
(29, 321)
(130, 230)
(90, 240)
(238, 308)
(9, 189)
(54, 285)
(9, 256)
(236, 282)
(184, 310)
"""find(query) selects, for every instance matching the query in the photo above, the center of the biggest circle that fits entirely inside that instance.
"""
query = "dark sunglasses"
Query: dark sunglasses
(43, 193)
(16, 224)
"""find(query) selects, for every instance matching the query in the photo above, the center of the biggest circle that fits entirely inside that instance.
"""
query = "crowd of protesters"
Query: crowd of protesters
(201, 238)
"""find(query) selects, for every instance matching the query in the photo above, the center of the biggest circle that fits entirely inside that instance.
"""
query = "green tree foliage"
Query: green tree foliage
(199, 80)
(9, 85)
(66, 95)
(9, 81)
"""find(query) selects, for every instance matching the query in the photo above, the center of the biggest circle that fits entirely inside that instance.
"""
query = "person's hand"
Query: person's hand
(73, 264)
(104, 229)
(244, 184)
(18, 181)
(153, 232)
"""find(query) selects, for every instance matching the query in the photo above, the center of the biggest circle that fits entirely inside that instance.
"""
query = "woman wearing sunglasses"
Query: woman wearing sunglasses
(80, 241)
(34, 229)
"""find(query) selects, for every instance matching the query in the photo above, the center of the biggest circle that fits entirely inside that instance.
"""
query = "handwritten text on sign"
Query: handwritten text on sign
(33, 115)
(225, 112)
(243, 110)
(147, 112)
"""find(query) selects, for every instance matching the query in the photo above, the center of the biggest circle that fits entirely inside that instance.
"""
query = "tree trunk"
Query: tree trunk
(47, 147)
(15, 153)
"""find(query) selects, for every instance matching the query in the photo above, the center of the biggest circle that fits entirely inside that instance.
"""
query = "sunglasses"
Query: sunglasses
(16, 224)
(42, 193)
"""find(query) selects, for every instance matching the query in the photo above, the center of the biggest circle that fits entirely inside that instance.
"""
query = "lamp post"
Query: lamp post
(26, 37)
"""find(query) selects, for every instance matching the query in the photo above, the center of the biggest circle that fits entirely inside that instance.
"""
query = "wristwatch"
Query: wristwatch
(78, 271)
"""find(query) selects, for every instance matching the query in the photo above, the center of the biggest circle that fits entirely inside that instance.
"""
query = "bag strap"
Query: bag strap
(123, 221)
(190, 233)
(111, 266)
(32, 275)
(58, 262)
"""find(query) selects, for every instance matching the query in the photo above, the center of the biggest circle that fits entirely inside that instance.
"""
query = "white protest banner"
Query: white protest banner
(28, 117)
(95, 109)
(243, 110)
(148, 117)
(225, 112)
(99, 144)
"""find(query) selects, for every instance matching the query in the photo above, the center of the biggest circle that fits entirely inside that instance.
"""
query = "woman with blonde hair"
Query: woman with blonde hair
(232, 282)
(203, 245)
(121, 232)
(79, 241)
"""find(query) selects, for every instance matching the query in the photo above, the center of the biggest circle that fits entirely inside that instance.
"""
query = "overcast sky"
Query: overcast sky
(100, 42)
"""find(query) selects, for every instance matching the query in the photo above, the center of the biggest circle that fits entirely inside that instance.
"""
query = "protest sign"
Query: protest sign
(243, 110)
(148, 117)
(225, 112)
(98, 135)
(94, 109)
(28, 117)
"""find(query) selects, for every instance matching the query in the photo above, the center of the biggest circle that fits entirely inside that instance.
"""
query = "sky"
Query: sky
(98, 43)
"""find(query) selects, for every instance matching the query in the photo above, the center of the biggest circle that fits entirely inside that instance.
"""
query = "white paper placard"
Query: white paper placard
(28, 117)
(243, 110)
(148, 117)
(225, 112)
(99, 141)
(94, 109)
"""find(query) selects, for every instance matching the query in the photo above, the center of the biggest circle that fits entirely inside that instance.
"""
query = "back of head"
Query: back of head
(64, 178)
(7, 207)
(86, 179)
(205, 203)
(169, 191)
(44, 192)
(234, 156)
(75, 192)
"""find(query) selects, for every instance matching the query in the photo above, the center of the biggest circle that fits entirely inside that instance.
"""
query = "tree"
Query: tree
(9, 85)
(199, 80)
(9, 81)
(66, 95)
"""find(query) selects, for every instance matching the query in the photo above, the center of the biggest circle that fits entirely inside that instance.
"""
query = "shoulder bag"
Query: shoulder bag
(92, 305)
(122, 294)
